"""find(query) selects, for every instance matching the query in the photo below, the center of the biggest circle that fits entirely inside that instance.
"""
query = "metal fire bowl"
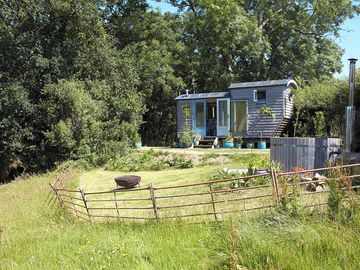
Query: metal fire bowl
(128, 181)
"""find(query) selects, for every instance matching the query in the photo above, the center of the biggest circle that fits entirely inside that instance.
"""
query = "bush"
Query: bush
(256, 163)
(240, 183)
(148, 160)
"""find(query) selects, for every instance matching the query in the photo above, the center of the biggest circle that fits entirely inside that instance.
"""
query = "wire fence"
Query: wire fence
(211, 200)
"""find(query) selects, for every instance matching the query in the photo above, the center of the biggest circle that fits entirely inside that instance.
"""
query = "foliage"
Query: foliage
(319, 124)
(77, 94)
(289, 195)
(258, 163)
(148, 160)
(320, 108)
(230, 41)
(137, 138)
(343, 205)
(198, 136)
(238, 140)
(229, 138)
(238, 183)
(79, 78)
(186, 111)
(267, 111)
(186, 136)
(15, 129)
(264, 241)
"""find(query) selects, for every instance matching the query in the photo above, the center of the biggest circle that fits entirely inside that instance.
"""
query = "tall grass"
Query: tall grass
(35, 235)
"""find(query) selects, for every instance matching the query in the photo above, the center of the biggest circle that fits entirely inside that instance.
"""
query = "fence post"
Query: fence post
(58, 195)
(85, 202)
(275, 186)
(212, 201)
(116, 205)
(153, 199)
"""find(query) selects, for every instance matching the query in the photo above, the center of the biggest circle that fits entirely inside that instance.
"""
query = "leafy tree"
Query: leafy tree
(16, 112)
(256, 40)
(154, 40)
(83, 90)
(219, 37)
(327, 97)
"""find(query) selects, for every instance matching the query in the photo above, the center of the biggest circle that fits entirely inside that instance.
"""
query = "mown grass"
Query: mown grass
(38, 235)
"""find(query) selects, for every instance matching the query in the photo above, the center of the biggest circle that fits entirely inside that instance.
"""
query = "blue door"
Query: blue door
(223, 116)
(199, 117)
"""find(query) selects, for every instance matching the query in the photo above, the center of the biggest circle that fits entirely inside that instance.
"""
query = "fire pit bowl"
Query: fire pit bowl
(128, 181)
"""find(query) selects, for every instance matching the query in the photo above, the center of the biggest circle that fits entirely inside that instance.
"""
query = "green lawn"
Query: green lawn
(220, 151)
(101, 179)
(36, 234)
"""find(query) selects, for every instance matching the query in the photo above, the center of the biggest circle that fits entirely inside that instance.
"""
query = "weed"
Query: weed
(290, 193)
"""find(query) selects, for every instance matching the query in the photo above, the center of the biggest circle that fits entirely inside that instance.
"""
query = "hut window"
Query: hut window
(260, 96)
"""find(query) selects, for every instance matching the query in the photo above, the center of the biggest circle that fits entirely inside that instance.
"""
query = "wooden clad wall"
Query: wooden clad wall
(180, 116)
(288, 103)
(259, 124)
(307, 153)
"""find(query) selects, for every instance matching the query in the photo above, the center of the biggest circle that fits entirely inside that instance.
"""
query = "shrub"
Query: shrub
(148, 160)
(319, 124)
(186, 137)
(289, 195)
(182, 163)
(137, 138)
(229, 138)
(255, 163)
(238, 183)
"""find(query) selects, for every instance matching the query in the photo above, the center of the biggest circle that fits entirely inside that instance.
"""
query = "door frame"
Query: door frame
(195, 129)
(222, 130)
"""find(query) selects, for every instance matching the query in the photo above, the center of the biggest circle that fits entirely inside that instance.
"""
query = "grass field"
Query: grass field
(38, 235)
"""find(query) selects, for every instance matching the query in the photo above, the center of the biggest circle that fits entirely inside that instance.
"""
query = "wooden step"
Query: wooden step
(206, 142)
(203, 146)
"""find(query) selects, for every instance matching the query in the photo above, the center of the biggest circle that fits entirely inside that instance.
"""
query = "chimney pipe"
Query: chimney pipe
(350, 110)
(352, 80)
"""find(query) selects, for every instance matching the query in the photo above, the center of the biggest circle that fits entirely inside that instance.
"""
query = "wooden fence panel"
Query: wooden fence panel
(307, 153)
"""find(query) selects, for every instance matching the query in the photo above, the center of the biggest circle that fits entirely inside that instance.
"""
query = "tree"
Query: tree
(16, 112)
(83, 91)
(219, 37)
(154, 40)
(257, 40)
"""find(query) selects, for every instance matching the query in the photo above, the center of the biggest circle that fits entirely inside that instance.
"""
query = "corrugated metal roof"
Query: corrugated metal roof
(203, 96)
(262, 84)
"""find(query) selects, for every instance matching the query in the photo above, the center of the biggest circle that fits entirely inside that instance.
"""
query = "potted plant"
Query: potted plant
(261, 143)
(186, 139)
(258, 165)
(250, 145)
(137, 140)
(238, 142)
(228, 141)
(197, 138)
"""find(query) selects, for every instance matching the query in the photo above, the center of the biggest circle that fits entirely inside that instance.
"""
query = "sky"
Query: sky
(349, 38)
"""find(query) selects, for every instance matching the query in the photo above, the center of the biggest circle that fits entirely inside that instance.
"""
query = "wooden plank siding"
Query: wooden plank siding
(279, 99)
(180, 116)
(288, 103)
(259, 124)
(306, 153)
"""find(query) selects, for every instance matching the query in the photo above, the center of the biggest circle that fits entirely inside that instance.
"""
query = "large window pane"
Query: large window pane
(223, 113)
(200, 115)
(238, 117)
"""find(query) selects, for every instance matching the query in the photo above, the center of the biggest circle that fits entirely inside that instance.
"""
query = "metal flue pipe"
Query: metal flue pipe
(352, 80)
(350, 110)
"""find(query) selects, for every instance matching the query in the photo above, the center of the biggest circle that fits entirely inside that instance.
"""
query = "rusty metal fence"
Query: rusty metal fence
(212, 200)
